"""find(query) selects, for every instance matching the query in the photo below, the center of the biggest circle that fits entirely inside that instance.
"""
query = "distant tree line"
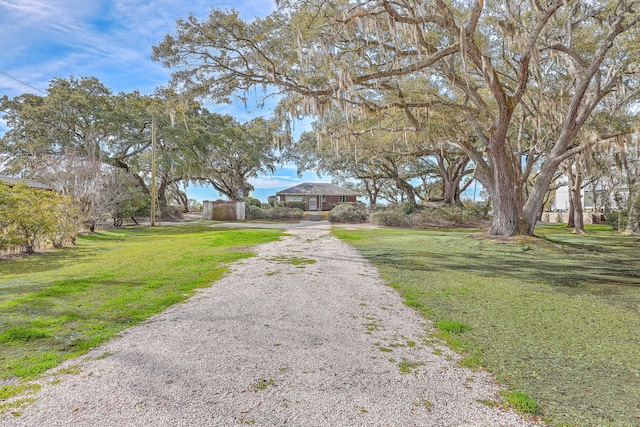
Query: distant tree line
(95, 146)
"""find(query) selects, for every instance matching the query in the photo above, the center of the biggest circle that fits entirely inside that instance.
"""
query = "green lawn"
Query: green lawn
(557, 319)
(56, 305)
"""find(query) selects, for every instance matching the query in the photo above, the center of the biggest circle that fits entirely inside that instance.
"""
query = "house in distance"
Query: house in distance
(318, 196)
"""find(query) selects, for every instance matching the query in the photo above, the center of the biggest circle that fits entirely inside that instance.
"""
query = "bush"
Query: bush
(284, 213)
(254, 212)
(438, 216)
(614, 216)
(479, 210)
(408, 208)
(252, 201)
(278, 213)
(29, 216)
(559, 217)
(349, 213)
(389, 218)
(67, 219)
(169, 212)
(296, 205)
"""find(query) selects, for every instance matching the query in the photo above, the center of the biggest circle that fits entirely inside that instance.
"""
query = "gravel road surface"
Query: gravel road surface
(306, 333)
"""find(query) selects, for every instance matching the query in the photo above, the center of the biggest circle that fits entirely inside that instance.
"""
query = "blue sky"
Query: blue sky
(111, 40)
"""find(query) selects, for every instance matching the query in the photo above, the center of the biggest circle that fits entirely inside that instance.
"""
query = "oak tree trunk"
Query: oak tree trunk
(538, 192)
(570, 221)
(505, 196)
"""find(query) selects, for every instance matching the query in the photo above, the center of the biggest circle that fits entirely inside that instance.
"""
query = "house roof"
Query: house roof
(317, 188)
(10, 181)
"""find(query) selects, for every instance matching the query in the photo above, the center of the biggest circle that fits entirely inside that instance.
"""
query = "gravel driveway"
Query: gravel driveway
(304, 334)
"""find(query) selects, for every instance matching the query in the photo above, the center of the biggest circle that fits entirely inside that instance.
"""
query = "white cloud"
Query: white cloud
(281, 182)
(265, 186)
(275, 182)
(108, 39)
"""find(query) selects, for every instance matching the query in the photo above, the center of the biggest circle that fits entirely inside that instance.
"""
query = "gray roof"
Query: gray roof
(317, 188)
(31, 183)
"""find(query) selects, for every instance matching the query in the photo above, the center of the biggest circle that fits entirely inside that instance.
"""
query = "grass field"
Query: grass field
(556, 320)
(56, 305)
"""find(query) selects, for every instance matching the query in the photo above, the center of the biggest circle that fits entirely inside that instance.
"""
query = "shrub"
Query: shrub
(28, 216)
(615, 217)
(479, 210)
(255, 212)
(283, 213)
(296, 205)
(277, 213)
(389, 218)
(169, 212)
(446, 215)
(252, 201)
(349, 213)
(437, 216)
(408, 208)
(67, 223)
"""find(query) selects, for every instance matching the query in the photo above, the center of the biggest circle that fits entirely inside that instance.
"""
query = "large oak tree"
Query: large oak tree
(525, 75)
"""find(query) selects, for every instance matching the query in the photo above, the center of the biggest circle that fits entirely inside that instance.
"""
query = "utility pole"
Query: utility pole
(153, 172)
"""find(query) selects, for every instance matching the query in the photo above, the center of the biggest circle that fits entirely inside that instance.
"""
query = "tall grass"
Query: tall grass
(555, 319)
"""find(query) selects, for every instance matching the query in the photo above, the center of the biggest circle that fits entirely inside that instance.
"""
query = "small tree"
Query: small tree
(67, 222)
(29, 216)
(6, 207)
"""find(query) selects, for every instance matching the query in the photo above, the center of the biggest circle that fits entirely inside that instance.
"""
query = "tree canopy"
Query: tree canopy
(525, 77)
(95, 146)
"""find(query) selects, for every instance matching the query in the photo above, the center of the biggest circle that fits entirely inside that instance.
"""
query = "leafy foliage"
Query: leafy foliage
(468, 215)
(390, 218)
(274, 213)
(519, 81)
(225, 153)
(95, 146)
(349, 213)
(28, 216)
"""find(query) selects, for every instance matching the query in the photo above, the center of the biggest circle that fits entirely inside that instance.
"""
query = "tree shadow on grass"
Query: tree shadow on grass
(558, 264)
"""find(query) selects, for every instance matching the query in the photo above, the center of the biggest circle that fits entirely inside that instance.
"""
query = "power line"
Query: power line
(21, 82)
